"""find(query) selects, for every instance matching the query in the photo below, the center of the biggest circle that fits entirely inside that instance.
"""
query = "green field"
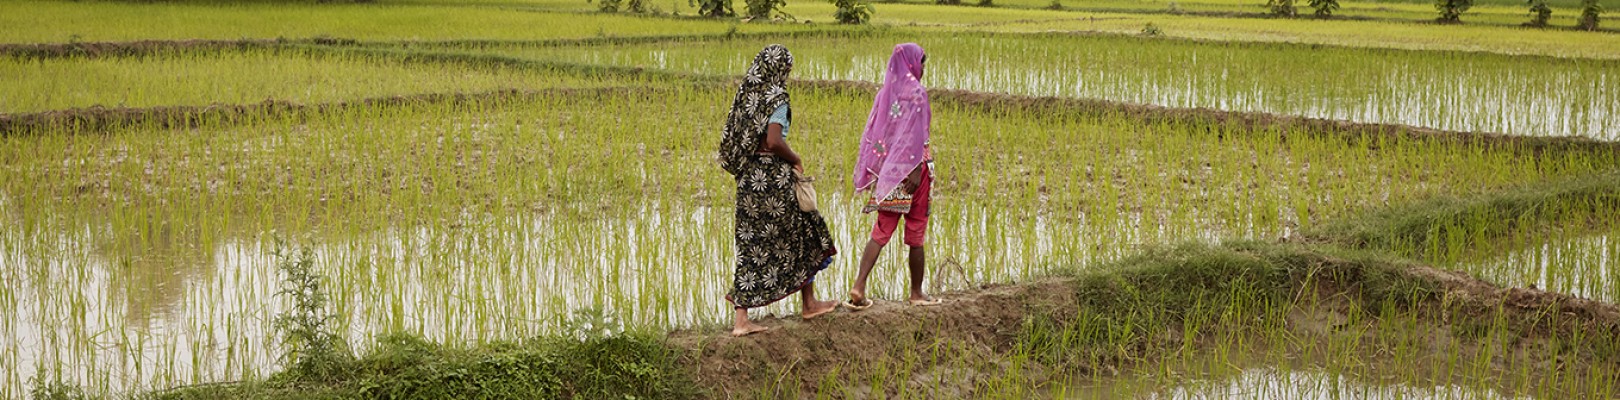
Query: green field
(1369, 206)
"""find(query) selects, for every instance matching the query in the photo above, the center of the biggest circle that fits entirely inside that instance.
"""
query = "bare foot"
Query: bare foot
(747, 328)
(921, 300)
(816, 309)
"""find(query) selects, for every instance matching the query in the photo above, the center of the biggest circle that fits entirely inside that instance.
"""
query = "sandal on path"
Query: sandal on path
(858, 305)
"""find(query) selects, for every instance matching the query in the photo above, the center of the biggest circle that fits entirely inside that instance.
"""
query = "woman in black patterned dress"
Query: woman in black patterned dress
(779, 248)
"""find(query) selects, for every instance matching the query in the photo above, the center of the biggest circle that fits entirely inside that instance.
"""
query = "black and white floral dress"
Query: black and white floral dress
(779, 247)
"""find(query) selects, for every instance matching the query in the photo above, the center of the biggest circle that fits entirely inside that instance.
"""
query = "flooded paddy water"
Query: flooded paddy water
(140, 259)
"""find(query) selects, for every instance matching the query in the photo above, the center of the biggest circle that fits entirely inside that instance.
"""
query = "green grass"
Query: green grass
(636, 365)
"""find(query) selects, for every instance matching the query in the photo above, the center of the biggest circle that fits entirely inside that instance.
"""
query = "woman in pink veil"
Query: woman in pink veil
(896, 167)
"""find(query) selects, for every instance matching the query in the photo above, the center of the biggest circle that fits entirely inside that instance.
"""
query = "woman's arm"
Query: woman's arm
(776, 144)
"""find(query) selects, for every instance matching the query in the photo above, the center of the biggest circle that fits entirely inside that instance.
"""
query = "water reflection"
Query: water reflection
(171, 311)
(1581, 266)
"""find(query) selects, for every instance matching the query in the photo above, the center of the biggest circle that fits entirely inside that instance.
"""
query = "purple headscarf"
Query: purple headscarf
(897, 128)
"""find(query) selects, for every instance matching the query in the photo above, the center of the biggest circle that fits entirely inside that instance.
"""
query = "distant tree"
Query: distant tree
(852, 11)
(948, 2)
(1590, 11)
(713, 8)
(1539, 13)
(1282, 8)
(611, 6)
(987, 3)
(1451, 10)
(1325, 8)
(764, 8)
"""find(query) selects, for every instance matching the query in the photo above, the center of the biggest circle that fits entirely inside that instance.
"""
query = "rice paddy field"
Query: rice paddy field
(475, 178)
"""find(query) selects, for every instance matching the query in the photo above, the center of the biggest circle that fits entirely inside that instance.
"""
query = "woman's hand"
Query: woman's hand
(912, 182)
(798, 168)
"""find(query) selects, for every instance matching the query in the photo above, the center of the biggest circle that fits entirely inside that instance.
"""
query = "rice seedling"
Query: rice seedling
(1451, 91)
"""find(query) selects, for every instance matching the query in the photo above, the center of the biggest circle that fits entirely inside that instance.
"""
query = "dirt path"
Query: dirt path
(948, 351)
(795, 355)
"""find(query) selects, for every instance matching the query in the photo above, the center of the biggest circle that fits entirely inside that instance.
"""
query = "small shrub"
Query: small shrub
(1281, 8)
(987, 3)
(1325, 8)
(1056, 5)
(852, 11)
(948, 2)
(314, 351)
(1539, 13)
(1451, 10)
(1590, 13)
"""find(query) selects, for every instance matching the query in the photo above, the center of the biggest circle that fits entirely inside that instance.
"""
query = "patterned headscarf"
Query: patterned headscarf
(897, 128)
(760, 94)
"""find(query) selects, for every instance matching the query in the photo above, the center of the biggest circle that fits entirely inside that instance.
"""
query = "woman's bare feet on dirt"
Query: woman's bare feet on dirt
(818, 308)
(747, 328)
(924, 301)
